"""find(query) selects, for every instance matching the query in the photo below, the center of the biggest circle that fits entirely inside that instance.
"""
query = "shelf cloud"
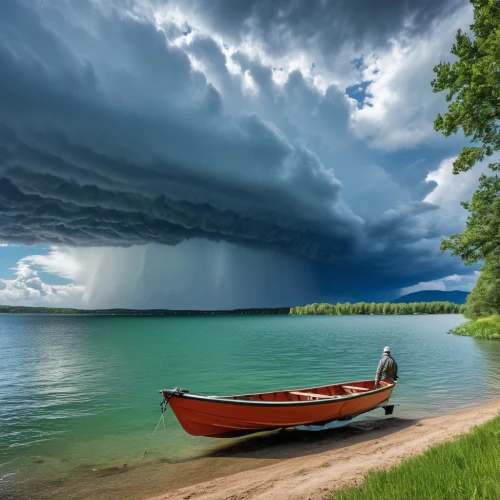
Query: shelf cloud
(258, 131)
(100, 155)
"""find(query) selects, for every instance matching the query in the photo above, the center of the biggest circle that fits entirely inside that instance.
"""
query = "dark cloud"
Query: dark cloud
(157, 162)
(109, 136)
(327, 25)
(398, 225)
(380, 277)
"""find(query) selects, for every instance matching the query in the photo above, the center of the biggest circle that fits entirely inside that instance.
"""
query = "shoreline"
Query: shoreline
(315, 465)
(286, 464)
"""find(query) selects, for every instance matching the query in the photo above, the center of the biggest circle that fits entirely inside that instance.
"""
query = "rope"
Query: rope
(152, 435)
(166, 433)
(143, 454)
(163, 406)
(162, 419)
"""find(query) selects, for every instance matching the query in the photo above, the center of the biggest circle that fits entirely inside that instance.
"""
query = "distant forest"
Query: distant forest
(137, 312)
(318, 309)
(381, 308)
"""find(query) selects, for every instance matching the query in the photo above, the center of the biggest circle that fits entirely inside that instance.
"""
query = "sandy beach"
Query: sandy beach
(309, 466)
(275, 465)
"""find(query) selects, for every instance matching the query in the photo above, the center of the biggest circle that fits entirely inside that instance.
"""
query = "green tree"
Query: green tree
(361, 307)
(330, 309)
(473, 85)
(482, 234)
(484, 300)
(324, 309)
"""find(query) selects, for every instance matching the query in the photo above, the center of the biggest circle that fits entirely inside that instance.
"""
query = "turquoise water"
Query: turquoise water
(82, 392)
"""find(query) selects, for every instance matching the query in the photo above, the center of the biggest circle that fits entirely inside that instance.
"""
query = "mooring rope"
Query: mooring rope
(164, 425)
(143, 454)
(163, 405)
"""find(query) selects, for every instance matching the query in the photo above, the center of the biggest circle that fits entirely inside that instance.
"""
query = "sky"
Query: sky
(186, 154)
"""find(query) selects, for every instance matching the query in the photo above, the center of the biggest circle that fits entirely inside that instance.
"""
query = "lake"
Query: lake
(79, 392)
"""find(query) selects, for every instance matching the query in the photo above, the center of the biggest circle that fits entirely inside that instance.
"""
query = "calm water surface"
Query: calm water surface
(82, 392)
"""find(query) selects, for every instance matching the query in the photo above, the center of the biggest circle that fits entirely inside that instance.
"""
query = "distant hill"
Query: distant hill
(455, 296)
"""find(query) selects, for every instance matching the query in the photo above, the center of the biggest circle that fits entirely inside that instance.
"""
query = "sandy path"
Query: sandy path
(311, 473)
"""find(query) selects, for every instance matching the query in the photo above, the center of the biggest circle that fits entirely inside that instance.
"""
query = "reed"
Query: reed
(480, 328)
(464, 468)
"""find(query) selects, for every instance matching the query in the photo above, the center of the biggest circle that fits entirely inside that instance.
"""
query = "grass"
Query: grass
(481, 328)
(466, 468)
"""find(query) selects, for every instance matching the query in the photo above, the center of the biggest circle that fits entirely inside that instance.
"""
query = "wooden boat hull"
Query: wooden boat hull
(228, 416)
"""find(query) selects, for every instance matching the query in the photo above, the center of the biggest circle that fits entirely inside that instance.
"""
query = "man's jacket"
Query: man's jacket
(387, 368)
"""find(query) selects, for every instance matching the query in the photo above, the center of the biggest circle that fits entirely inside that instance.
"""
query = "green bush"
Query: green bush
(481, 328)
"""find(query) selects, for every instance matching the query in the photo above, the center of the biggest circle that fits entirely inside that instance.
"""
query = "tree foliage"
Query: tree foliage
(380, 308)
(482, 234)
(484, 300)
(473, 85)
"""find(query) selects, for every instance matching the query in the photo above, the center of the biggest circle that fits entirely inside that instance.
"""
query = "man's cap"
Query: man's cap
(387, 349)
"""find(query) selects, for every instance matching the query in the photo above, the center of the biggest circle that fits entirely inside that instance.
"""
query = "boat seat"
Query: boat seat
(312, 395)
(353, 387)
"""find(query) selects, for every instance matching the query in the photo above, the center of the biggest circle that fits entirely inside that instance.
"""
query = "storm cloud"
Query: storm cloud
(326, 25)
(93, 154)
(175, 129)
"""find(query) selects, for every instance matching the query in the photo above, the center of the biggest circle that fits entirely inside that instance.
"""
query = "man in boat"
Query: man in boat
(387, 368)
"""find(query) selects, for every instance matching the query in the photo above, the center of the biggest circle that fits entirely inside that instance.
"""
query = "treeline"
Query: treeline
(319, 309)
(138, 312)
(380, 308)
(38, 310)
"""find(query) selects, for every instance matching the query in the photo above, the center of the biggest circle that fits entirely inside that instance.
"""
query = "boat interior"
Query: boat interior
(313, 394)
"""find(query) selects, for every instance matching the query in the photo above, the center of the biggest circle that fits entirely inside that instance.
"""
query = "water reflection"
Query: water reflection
(490, 364)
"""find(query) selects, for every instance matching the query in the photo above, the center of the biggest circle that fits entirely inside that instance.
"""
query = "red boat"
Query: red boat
(227, 416)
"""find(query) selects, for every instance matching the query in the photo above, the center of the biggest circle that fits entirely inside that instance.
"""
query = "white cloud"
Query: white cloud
(61, 262)
(463, 282)
(36, 293)
(29, 289)
(399, 107)
(450, 191)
